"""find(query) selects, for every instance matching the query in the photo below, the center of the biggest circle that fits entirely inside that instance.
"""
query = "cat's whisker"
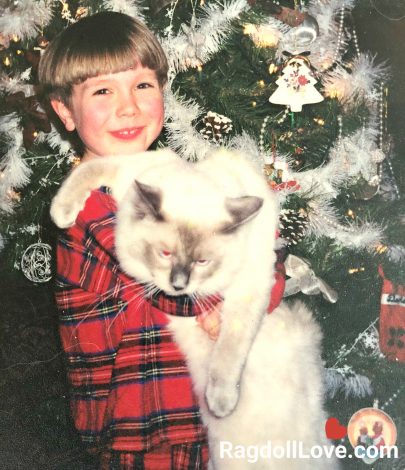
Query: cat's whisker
(196, 299)
(148, 289)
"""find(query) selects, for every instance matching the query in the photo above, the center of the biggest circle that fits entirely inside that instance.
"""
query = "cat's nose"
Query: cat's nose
(179, 277)
(178, 286)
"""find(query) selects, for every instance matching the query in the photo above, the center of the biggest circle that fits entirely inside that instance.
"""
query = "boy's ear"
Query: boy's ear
(64, 114)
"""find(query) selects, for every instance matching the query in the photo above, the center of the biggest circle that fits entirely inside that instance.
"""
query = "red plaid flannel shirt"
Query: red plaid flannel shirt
(130, 388)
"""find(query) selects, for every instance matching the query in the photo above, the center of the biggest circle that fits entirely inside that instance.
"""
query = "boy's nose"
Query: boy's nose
(128, 105)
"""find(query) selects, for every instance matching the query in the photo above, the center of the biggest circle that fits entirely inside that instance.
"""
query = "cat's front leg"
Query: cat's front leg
(222, 393)
(66, 206)
(72, 195)
(241, 321)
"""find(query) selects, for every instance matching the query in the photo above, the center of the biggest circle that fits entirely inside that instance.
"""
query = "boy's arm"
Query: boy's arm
(90, 304)
(89, 337)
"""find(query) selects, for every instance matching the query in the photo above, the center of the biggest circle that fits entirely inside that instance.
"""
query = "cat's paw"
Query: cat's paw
(64, 212)
(222, 397)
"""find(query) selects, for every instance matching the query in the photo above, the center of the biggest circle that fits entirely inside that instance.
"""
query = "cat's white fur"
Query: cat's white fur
(194, 194)
(281, 393)
(261, 380)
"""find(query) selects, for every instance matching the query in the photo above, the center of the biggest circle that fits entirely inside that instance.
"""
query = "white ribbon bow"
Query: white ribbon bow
(303, 279)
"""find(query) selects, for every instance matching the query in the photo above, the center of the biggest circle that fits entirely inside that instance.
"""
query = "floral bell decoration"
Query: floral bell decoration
(296, 85)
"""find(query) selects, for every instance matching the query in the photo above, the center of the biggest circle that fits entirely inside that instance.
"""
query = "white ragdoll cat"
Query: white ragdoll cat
(199, 229)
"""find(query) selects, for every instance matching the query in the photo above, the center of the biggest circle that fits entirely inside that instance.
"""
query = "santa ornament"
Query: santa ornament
(296, 85)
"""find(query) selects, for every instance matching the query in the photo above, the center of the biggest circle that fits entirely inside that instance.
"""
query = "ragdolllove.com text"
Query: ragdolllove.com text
(296, 450)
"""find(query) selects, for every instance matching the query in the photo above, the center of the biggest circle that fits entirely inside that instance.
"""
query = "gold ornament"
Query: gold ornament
(262, 35)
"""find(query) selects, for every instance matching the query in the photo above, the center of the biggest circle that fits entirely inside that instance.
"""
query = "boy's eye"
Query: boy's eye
(101, 91)
(144, 85)
(165, 254)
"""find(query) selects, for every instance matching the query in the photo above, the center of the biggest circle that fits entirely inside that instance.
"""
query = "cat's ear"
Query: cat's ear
(149, 201)
(242, 209)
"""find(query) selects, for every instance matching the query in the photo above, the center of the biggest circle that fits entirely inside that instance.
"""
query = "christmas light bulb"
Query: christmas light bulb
(273, 68)
(81, 12)
(249, 28)
(75, 161)
(355, 270)
(319, 121)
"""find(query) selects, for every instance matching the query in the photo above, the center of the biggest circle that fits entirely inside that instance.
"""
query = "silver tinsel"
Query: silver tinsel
(344, 379)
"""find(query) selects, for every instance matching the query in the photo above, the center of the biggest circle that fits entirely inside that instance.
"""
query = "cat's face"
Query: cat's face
(181, 257)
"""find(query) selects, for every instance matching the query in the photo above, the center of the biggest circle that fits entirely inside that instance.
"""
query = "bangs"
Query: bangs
(99, 45)
(91, 63)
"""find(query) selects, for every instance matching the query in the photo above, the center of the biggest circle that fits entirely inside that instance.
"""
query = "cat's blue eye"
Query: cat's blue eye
(202, 262)
(165, 254)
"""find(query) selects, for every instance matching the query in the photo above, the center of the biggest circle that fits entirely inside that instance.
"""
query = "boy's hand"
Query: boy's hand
(210, 321)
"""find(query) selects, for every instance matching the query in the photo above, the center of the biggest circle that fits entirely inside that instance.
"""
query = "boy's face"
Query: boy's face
(119, 113)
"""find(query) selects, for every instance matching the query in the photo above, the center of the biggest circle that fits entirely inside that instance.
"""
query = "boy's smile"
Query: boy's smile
(119, 113)
(128, 134)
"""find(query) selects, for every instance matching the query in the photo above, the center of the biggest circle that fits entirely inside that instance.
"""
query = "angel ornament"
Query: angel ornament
(195, 43)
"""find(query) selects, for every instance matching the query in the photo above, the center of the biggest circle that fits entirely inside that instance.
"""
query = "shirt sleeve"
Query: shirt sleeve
(90, 305)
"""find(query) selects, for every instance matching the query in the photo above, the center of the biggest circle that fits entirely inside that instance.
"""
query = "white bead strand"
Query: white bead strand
(340, 34)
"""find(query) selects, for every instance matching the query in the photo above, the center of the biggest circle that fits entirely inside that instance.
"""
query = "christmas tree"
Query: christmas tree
(239, 74)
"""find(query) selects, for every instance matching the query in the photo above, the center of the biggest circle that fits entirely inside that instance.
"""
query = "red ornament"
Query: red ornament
(335, 430)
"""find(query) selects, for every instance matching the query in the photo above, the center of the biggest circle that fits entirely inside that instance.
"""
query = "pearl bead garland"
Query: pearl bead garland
(356, 42)
(392, 398)
(340, 34)
(261, 139)
(382, 115)
(380, 129)
(335, 225)
(263, 128)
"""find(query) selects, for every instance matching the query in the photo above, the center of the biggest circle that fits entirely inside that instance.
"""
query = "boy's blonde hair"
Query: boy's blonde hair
(103, 43)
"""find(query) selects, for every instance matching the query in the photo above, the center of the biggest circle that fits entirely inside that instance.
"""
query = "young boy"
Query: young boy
(132, 399)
